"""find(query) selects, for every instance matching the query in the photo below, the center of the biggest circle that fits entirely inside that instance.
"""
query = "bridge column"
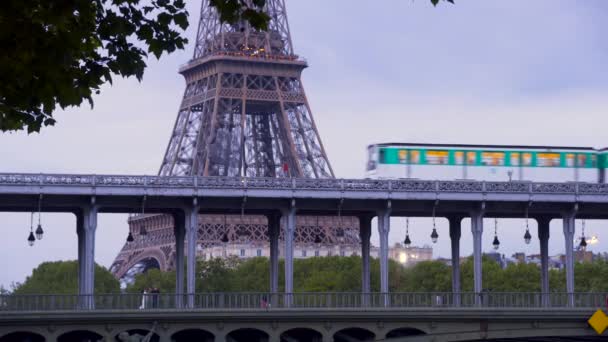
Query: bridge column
(365, 232)
(384, 227)
(455, 232)
(477, 230)
(569, 228)
(274, 228)
(290, 228)
(86, 227)
(179, 231)
(543, 237)
(192, 237)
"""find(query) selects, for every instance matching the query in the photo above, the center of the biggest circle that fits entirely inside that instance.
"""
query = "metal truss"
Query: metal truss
(159, 241)
(244, 113)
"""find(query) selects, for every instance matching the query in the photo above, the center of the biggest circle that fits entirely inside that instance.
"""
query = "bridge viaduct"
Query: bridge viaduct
(283, 199)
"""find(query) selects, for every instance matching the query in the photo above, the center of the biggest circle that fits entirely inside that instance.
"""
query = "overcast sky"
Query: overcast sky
(478, 72)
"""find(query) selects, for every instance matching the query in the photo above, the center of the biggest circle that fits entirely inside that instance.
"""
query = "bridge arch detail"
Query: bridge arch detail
(356, 334)
(79, 335)
(248, 335)
(301, 334)
(403, 332)
(22, 336)
(199, 335)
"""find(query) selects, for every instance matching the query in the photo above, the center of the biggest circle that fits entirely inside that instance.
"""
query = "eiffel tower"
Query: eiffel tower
(244, 113)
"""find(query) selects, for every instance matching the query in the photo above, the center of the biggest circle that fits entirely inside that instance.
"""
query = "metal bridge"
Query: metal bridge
(304, 317)
(480, 314)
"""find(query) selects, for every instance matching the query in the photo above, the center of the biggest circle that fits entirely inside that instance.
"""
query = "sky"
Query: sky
(479, 72)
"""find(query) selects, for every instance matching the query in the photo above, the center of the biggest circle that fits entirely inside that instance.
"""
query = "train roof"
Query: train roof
(577, 148)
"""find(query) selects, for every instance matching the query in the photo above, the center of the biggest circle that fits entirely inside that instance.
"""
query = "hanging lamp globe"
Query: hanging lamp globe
(527, 237)
(39, 232)
(434, 236)
(583, 244)
(130, 237)
(31, 239)
(407, 242)
(496, 243)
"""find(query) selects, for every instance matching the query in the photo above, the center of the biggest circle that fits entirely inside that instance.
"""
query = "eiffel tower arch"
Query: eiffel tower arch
(244, 113)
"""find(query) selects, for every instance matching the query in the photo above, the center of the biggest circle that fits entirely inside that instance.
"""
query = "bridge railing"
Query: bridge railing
(316, 300)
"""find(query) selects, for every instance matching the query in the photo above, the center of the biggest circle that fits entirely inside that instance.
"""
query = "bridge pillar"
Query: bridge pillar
(455, 232)
(365, 232)
(86, 222)
(569, 228)
(290, 228)
(384, 227)
(192, 237)
(274, 227)
(179, 231)
(477, 230)
(543, 237)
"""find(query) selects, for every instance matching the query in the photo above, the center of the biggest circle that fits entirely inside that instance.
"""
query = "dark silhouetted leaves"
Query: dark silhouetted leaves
(59, 53)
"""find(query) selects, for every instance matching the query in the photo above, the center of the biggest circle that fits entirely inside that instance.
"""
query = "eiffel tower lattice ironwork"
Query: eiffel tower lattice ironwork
(244, 113)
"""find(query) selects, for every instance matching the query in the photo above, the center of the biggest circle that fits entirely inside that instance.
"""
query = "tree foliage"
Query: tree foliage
(61, 277)
(59, 53)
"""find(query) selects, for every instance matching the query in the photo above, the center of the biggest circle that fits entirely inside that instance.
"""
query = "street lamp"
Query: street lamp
(527, 235)
(583, 245)
(143, 230)
(496, 243)
(434, 235)
(407, 242)
(31, 239)
(39, 230)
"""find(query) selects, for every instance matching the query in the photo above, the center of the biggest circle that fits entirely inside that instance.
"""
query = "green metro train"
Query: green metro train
(488, 162)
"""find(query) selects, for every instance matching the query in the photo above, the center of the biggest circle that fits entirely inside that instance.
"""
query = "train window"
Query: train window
(414, 156)
(459, 157)
(493, 158)
(581, 160)
(471, 158)
(515, 158)
(570, 160)
(437, 157)
(526, 159)
(547, 159)
(403, 159)
(593, 160)
(382, 156)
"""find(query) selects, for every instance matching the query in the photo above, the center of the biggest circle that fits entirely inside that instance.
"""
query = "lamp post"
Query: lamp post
(407, 242)
(39, 230)
(496, 243)
(31, 239)
(434, 235)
